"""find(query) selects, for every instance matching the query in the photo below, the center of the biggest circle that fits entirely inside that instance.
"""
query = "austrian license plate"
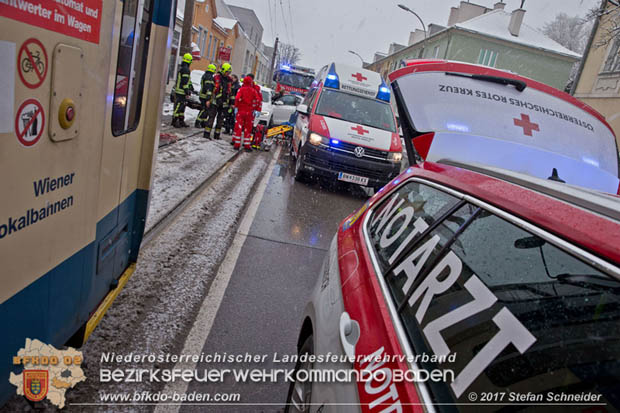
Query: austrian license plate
(360, 180)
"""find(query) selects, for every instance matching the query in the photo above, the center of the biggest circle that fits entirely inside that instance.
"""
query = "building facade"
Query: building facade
(211, 33)
(491, 37)
(598, 80)
(214, 27)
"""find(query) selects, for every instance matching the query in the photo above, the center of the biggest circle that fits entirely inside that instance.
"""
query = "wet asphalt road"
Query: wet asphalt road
(261, 312)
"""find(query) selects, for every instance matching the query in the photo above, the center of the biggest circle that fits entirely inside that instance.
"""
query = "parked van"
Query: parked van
(346, 129)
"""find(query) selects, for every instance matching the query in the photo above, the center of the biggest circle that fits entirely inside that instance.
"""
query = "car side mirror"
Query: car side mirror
(303, 109)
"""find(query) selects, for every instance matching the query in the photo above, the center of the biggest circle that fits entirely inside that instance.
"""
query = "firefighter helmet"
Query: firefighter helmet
(211, 68)
(187, 58)
(226, 68)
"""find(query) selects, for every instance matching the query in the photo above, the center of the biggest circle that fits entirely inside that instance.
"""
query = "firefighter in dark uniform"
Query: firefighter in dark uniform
(229, 124)
(206, 92)
(182, 88)
(220, 101)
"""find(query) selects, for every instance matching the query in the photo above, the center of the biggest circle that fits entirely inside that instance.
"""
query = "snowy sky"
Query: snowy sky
(325, 30)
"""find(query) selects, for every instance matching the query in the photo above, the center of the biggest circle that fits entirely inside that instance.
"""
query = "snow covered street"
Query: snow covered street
(180, 167)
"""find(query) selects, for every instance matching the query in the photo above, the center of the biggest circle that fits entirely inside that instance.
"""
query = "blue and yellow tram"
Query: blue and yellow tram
(81, 88)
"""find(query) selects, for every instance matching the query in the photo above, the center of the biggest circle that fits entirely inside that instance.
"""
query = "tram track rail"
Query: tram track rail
(184, 203)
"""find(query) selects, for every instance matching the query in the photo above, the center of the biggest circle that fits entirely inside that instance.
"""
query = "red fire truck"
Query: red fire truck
(293, 79)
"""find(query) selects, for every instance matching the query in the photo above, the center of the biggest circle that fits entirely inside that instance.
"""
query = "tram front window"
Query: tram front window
(130, 69)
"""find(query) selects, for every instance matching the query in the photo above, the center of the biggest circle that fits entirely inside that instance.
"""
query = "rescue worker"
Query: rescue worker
(257, 135)
(183, 87)
(245, 102)
(229, 124)
(206, 92)
(220, 101)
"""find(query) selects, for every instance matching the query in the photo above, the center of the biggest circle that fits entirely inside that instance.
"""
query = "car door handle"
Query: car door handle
(349, 334)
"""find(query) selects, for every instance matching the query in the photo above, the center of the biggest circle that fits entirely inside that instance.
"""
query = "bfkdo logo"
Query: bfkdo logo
(48, 372)
(36, 384)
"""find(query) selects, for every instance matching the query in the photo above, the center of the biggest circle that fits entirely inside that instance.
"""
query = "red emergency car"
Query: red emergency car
(464, 286)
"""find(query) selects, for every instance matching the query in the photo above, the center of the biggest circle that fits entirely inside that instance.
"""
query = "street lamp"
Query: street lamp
(402, 6)
(356, 54)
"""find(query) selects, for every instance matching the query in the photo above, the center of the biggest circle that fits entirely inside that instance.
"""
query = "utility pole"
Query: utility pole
(273, 60)
(186, 33)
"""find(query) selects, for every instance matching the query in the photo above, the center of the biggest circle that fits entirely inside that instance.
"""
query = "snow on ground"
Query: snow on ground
(153, 312)
(180, 168)
(156, 308)
(190, 114)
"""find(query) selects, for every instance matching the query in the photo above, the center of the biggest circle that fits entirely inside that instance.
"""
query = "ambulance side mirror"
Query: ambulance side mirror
(303, 109)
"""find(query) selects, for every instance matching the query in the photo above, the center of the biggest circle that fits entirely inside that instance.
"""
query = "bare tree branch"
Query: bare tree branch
(287, 54)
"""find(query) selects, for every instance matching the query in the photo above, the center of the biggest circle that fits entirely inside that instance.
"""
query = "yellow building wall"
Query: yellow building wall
(599, 89)
(204, 18)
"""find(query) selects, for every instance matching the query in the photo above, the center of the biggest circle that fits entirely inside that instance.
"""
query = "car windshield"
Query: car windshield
(295, 80)
(356, 109)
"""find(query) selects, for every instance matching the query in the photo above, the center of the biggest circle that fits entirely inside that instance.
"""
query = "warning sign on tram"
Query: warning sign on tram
(29, 122)
(32, 63)
(76, 18)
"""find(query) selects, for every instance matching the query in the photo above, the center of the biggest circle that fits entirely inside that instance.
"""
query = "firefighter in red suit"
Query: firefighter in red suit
(245, 102)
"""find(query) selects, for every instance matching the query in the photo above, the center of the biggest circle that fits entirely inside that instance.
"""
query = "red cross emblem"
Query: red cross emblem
(360, 130)
(525, 123)
(359, 77)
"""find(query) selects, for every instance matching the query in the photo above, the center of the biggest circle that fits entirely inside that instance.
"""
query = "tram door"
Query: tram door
(116, 198)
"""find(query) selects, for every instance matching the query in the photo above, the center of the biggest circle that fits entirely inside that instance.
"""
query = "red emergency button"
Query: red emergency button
(70, 113)
(66, 113)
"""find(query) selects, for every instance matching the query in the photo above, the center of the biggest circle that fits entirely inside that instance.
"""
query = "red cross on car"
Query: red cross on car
(359, 77)
(525, 123)
(360, 130)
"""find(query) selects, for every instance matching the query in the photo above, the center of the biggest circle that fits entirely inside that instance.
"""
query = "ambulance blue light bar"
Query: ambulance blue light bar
(285, 67)
(384, 92)
(332, 80)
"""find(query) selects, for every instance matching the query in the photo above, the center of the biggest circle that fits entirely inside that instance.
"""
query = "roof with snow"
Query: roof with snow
(495, 24)
(225, 22)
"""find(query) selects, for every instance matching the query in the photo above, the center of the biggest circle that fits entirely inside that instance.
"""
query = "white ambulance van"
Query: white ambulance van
(346, 129)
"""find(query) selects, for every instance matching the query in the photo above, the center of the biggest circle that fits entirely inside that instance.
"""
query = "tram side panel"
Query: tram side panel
(58, 264)
(45, 271)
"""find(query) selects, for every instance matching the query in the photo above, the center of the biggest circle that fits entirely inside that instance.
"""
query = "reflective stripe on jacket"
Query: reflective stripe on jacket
(183, 84)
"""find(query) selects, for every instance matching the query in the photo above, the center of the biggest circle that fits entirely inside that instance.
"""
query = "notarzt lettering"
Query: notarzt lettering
(388, 225)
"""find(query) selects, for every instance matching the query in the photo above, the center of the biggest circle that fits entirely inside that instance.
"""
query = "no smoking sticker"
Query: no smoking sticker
(29, 122)
(32, 63)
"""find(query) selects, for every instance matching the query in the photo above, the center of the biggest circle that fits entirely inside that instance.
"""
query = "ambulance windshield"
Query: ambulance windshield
(356, 109)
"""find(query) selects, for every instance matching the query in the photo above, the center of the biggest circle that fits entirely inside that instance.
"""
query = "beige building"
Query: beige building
(492, 37)
(598, 79)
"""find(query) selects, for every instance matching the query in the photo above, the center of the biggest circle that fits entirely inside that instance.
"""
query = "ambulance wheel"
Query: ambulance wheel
(300, 393)
(300, 175)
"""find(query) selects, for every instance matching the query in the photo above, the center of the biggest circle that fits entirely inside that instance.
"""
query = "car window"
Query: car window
(289, 100)
(309, 98)
(413, 207)
(266, 96)
(506, 309)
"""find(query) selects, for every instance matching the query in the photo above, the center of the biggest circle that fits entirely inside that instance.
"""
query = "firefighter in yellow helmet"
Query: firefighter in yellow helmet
(220, 101)
(205, 95)
(182, 88)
